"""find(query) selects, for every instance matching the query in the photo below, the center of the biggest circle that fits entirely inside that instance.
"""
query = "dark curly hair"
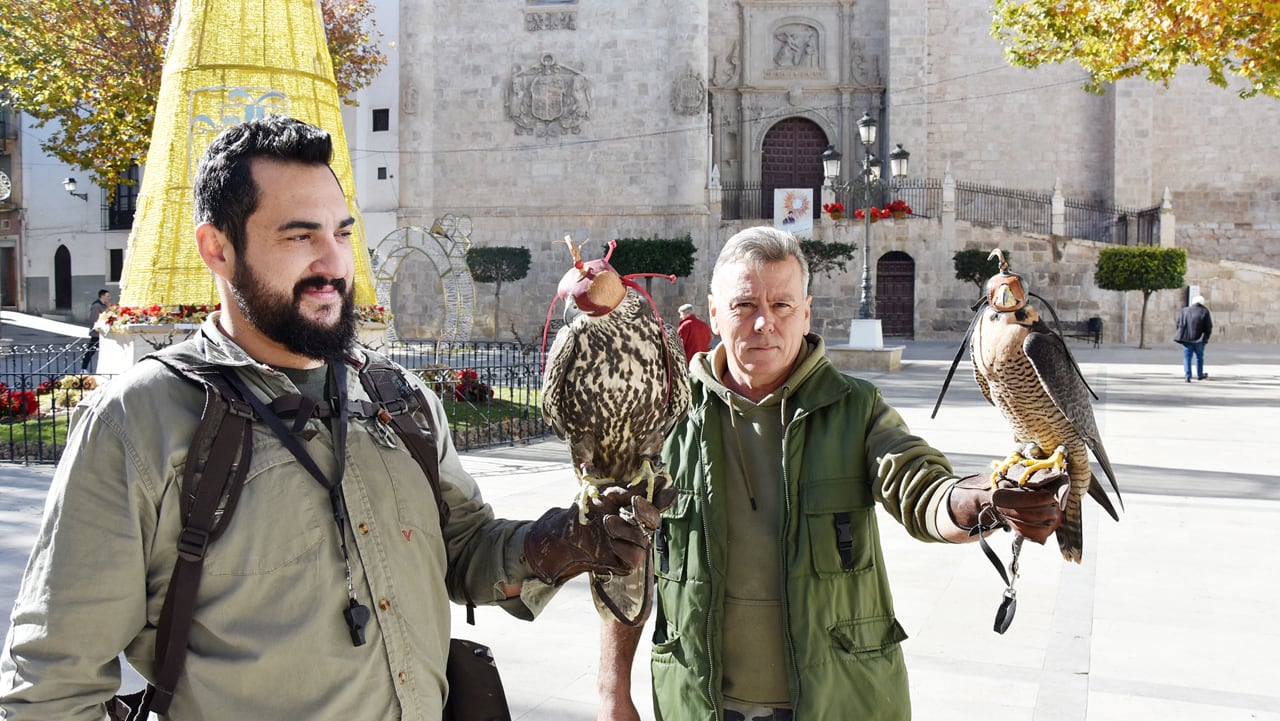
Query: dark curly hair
(225, 194)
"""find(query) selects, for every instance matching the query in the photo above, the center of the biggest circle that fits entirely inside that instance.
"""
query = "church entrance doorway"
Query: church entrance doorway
(791, 157)
(896, 294)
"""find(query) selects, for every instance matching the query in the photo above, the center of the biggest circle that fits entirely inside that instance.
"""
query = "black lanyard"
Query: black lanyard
(355, 614)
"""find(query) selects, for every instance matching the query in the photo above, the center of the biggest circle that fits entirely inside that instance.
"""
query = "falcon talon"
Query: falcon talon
(1056, 461)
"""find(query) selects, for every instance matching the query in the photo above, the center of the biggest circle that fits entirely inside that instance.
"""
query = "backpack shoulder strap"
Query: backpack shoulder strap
(397, 400)
(214, 473)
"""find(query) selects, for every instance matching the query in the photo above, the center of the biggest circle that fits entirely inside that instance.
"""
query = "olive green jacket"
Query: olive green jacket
(844, 449)
(268, 639)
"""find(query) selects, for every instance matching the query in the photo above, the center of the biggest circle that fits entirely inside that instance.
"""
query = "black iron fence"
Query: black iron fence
(984, 204)
(491, 393)
(1113, 223)
(1004, 207)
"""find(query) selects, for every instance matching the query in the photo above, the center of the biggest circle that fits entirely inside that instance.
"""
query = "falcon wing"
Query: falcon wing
(559, 360)
(678, 405)
(981, 380)
(1062, 382)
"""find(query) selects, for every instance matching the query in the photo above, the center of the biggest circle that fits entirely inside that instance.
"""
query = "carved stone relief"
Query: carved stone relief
(409, 100)
(549, 99)
(536, 21)
(724, 69)
(795, 52)
(795, 46)
(864, 68)
(688, 93)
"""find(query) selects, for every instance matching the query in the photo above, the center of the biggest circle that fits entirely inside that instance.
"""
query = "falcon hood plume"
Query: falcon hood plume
(613, 387)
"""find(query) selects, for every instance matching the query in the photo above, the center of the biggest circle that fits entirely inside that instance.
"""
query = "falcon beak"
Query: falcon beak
(571, 310)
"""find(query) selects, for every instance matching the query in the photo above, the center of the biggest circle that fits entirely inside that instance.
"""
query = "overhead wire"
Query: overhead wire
(700, 125)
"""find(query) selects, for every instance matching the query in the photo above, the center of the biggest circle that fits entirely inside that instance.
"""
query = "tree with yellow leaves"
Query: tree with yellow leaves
(1116, 39)
(94, 67)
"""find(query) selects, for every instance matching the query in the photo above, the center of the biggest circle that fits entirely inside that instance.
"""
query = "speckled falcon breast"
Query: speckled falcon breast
(614, 386)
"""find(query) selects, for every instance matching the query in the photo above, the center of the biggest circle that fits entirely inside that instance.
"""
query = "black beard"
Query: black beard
(280, 318)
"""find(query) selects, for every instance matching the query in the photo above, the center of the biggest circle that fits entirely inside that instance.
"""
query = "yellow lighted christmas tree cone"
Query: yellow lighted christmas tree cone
(228, 61)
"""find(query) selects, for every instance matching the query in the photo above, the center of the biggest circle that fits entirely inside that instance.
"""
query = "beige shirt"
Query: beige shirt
(269, 640)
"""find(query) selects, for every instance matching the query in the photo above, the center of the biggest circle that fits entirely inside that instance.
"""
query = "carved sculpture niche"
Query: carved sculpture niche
(796, 46)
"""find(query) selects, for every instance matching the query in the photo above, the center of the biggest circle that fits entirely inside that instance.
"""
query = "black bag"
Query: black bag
(475, 688)
(223, 437)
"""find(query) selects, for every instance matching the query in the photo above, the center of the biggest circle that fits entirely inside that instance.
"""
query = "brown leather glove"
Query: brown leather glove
(1034, 510)
(615, 539)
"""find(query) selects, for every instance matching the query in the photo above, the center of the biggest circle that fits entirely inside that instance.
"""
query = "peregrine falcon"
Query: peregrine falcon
(1024, 368)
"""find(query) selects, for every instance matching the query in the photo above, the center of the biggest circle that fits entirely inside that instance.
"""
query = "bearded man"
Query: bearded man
(327, 592)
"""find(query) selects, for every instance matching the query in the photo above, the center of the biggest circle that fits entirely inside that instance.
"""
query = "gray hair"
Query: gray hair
(759, 246)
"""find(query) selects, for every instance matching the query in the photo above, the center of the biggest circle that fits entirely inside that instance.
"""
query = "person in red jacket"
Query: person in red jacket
(695, 333)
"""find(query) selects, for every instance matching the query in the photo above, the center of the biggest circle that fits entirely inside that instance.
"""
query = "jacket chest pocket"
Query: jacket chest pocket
(839, 518)
(678, 533)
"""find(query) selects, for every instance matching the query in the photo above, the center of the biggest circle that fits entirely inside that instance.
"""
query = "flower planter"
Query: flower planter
(898, 213)
(836, 215)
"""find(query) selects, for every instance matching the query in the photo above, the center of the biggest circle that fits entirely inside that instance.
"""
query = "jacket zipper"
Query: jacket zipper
(706, 552)
(787, 519)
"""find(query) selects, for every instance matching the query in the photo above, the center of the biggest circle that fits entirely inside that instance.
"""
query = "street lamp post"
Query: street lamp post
(870, 176)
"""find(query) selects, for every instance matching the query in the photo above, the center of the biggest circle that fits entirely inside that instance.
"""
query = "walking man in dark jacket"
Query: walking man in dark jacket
(1195, 325)
(96, 308)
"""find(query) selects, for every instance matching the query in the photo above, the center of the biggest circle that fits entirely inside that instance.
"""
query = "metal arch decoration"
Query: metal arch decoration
(445, 244)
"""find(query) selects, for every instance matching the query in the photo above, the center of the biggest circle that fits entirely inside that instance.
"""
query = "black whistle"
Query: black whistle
(1004, 614)
(357, 617)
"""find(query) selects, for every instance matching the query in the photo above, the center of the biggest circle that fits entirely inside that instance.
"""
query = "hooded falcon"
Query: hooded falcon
(614, 386)
(1024, 368)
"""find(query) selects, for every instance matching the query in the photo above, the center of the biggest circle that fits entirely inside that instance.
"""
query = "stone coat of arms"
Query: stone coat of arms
(548, 99)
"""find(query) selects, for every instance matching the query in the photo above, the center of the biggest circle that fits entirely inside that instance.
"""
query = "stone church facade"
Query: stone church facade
(541, 118)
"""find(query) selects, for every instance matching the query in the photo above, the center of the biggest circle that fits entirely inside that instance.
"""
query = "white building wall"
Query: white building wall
(371, 152)
(56, 219)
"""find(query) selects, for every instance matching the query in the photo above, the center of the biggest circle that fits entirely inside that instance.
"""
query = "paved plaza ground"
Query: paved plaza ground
(1171, 616)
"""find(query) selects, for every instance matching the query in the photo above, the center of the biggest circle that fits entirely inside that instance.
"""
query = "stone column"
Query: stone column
(948, 208)
(1058, 224)
(1167, 220)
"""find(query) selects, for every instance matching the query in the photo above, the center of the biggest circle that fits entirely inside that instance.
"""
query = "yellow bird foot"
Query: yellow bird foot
(653, 472)
(1000, 468)
(589, 485)
(1056, 461)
